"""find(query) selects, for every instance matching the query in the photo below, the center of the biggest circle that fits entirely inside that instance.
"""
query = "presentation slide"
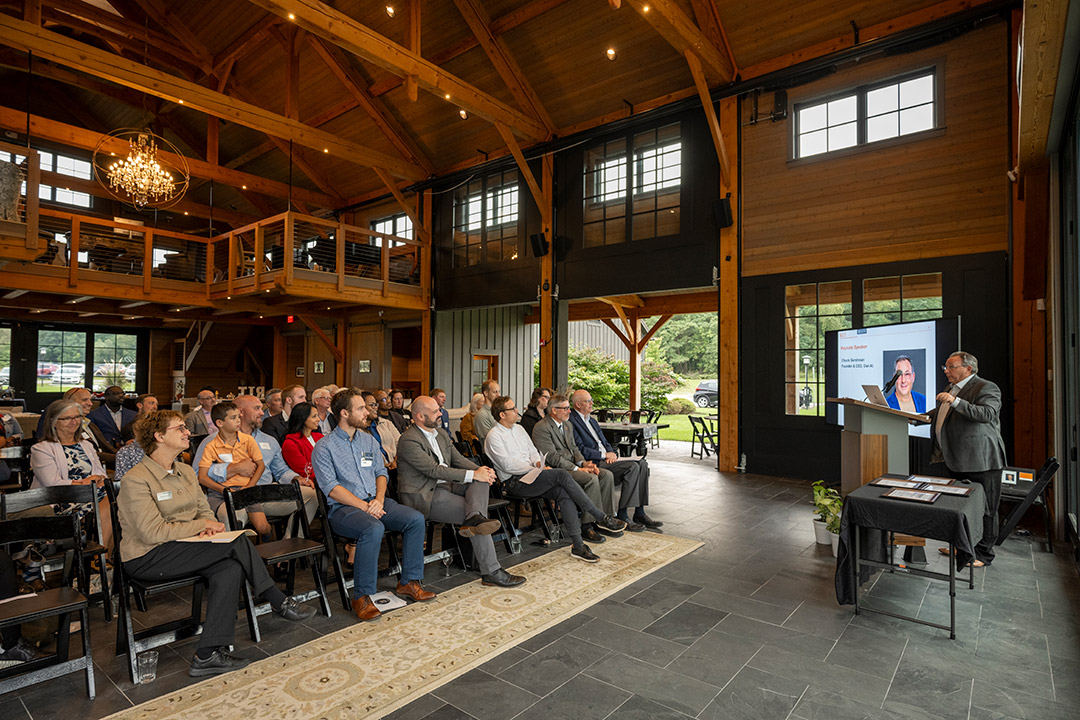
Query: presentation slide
(872, 356)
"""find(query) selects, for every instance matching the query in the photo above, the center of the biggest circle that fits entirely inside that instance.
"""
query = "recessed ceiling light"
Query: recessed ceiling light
(611, 53)
(464, 115)
(185, 212)
(645, 8)
(292, 16)
(326, 150)
(243, 187)
(181, 102)
(390, 10)
(447, 96)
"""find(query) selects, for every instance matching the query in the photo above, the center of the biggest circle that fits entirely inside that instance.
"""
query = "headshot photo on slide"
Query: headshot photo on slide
(909, 392)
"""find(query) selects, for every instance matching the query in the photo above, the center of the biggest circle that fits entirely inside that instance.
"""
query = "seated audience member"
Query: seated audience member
(128, 457)
(382, 397)
(230, 447)
(272, 403)
(199, 421)
(303, 433)
(594, 446)
(276, 470)
(10, 434)
(320, 398)
(160, 502)
(435, 479)
(554, 436)
(484, 421)
(144, 404)
(14, 648)
(439, 395)
(537, 409)
(89, 432)
(384, 431)
(397, 405)
(276, 426)
(515, 458)
(111, 415)
(468, 420)
(61, 457)
(349, 469)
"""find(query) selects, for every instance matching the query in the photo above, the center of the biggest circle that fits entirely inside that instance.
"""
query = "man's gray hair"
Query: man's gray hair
(967, 360)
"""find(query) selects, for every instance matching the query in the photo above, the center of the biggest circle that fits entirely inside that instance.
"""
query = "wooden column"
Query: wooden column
(727, 386)
(425, 250)
(547, 279)
(281, 373)
(341, 367)
(634, 327)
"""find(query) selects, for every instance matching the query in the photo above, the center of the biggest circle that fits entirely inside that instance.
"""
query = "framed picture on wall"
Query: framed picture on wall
(319, 368)
(364, 366)
(299, 372)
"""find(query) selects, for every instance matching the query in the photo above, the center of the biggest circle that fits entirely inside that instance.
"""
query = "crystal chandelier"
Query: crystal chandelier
(143, 178)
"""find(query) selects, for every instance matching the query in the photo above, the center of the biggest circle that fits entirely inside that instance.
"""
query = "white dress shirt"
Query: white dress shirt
(511, 451)
(433, 440)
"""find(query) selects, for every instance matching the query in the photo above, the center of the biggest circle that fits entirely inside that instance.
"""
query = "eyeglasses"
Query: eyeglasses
(587, 402)
(559, 407)
(952, 367)
(69, 419)
(181, 428)
(209, 397)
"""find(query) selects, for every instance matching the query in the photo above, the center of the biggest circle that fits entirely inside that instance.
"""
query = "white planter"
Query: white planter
(821, 532)
(835, 539)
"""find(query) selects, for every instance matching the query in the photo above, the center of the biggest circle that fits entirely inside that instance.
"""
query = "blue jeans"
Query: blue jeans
(354, 523)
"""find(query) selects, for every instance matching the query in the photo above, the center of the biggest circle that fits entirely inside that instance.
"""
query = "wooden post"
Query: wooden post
(425, 288)
(634, 327)
(342, 340)
(547, 278)
(728, 303)
(281, 357)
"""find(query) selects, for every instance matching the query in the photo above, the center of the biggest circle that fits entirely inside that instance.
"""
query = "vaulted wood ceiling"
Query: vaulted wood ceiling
(539, 66)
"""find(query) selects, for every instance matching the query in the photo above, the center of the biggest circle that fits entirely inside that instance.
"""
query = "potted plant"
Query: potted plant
(827, 504)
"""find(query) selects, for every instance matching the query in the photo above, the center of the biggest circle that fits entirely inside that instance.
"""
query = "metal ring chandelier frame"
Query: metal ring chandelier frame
(144, 178)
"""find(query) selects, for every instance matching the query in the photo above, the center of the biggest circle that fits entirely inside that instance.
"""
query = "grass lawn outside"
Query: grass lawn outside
(680, 427)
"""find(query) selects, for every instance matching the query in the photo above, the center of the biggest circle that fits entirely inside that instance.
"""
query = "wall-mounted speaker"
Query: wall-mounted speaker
(722, 212)
(539, 244)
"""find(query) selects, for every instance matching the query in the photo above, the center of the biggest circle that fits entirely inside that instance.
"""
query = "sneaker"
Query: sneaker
(612, 523)
(292, 609)
(591, 535)
(219, 662)
(584, 554)
(21, 652)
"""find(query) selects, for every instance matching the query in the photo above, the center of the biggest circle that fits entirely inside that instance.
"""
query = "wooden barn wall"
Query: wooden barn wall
(595, 334)
(459, 334)
(943, 194)
(367, 343)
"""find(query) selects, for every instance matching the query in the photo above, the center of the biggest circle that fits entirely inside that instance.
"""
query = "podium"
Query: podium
(874, 441)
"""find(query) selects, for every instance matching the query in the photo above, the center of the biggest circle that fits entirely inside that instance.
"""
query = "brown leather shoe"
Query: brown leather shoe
(364, 608)
(414, 590)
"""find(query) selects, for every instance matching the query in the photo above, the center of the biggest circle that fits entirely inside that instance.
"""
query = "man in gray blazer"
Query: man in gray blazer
(967, 438)
(434, 478)
(554, 435)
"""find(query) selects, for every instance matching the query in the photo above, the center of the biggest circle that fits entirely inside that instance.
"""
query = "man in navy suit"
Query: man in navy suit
(444, 417)
(111, 416)
(594, 446)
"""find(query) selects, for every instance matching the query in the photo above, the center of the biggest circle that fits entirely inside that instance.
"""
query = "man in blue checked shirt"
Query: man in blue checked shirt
(350, 471)
(276, 471)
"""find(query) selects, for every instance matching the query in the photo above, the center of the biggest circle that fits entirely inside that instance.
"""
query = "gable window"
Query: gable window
(486, 215)
(399, 225)
(649, 192)
(62, 165)
(867, 114)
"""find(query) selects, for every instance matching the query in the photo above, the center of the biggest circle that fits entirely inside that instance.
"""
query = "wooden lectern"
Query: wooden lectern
(874, 441)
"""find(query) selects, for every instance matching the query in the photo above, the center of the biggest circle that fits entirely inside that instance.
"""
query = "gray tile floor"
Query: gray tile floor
(745, 627)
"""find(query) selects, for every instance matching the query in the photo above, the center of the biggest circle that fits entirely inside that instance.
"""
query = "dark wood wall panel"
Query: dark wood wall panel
(944, 194)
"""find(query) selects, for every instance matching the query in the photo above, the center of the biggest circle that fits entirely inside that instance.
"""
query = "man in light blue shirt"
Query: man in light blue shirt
(349, 467)
(276, 471)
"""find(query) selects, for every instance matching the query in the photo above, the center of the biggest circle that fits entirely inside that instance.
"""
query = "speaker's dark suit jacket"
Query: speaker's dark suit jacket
(970, 435)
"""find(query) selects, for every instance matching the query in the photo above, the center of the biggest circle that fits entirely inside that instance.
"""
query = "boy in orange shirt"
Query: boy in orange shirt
(241, 453)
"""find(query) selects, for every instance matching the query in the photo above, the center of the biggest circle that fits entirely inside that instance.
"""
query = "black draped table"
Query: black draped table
(867, 521)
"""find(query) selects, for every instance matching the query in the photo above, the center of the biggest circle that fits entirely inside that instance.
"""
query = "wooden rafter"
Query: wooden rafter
(618, 332)
(527, 174)
(412, 90)
(682, 34)
(708, 19)
(343, 31)
(499, 54)
(160, 13)
(710, 115)
(1042, 40)
(335, 350)
(623, 301)
(20, 34)
(422, 231)
(652, 331)
(244, 44)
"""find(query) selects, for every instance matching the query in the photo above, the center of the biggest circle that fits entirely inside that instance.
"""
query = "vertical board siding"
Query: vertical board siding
(586, 333)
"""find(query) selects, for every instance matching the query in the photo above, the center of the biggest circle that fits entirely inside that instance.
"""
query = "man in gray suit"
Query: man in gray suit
(554, 435)
(967, 438)
(434, 478)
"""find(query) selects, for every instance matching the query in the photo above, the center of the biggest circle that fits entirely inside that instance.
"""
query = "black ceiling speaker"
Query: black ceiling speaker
(562, 246)
(539, 244)
(722, 212)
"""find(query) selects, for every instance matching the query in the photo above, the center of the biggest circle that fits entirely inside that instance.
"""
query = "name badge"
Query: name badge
(367, 460)
(264, 445)
(163, 496)
(225, 457)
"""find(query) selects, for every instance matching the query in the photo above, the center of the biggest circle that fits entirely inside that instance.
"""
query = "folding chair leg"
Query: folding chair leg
(320, 586)
(63, 636)
(106, 592)
(249, 606)
(510, 532)
(88, 655)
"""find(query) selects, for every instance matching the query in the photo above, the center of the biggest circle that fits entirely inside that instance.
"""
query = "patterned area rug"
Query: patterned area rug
(371, 669)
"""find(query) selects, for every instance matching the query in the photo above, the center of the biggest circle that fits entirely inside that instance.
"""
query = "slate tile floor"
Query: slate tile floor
(745, 627)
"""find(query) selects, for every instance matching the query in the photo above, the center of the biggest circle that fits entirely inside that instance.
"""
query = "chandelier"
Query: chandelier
(143, 178)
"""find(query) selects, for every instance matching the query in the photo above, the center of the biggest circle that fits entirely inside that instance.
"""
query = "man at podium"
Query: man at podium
(905, 397)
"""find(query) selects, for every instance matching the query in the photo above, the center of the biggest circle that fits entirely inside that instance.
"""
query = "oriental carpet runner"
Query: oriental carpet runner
(371, 669)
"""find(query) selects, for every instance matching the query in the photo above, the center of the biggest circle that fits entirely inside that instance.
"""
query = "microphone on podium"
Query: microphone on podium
(889, 385)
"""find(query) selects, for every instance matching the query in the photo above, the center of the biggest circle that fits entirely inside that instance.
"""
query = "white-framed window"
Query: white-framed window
(399, 225)
(486, 214)
(867, 114)
(63, 165)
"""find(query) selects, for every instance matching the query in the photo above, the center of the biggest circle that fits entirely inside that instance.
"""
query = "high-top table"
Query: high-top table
(637, 434)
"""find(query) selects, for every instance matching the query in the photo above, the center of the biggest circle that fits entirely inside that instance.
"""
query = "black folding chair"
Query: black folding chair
(58, 602)
(128, 641)
(538, 506)
(288, 550)
(13, 503)
(1036, 495)
(18, 459)
(704, 435)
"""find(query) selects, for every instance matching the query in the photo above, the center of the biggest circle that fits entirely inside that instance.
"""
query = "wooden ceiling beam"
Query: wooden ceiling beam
(526, 172)
(682, 34)
(343, 31)
(710, 115)
(25, 36)
(422, 231)
(498, 52)
(412, 90)
(1041, 41)
(708, 19)
(313, 325)
(78, 137)
(671, 304)
(624, 301)
(247, 42)
(159, 12)
(17, 61)
(376, 109)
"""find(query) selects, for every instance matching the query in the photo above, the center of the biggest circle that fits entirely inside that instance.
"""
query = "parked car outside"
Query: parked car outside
(705, 394)
(5, 376)
(70, 374)
(46, 369)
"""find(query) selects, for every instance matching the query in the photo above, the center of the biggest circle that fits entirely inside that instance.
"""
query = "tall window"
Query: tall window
(5, 358)
(649, 192)
(903, 298)
(114, 360)
(61, 360)
(811, 310)
(63, 165)
(486, 215)
(399, 225)
(868, 114)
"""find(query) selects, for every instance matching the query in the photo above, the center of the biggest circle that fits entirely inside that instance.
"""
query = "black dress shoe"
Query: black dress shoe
(219, 662)
(612, 523)
(635, 526)
(592, 536)
(584, 554)
(609, 533)
(640, 517)
(293, 609)
(501, 578)
(477, 524)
